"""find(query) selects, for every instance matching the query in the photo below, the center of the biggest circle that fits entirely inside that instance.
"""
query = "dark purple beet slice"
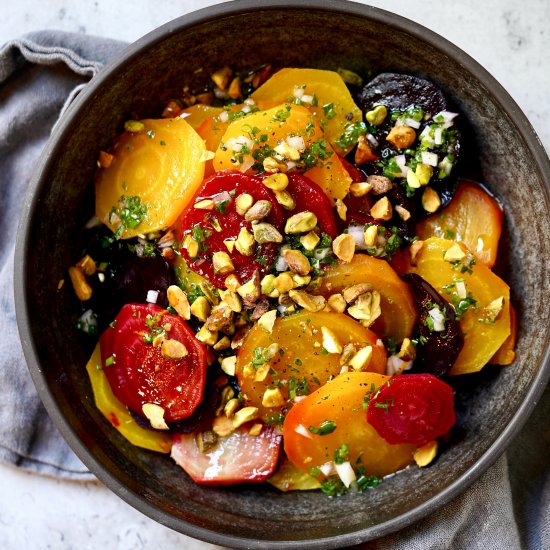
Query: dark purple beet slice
(400, 91)
(440, 349)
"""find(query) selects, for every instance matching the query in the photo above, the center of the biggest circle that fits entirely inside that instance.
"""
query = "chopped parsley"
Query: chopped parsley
(326, 427)
(129, 213)
(351, 135)
(297, 387)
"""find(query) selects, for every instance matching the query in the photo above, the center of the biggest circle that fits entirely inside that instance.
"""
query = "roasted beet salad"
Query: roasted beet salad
(286, 273)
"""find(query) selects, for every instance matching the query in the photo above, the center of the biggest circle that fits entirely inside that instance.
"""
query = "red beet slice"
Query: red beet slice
(236, 458)
(412, 408)
(137, 371)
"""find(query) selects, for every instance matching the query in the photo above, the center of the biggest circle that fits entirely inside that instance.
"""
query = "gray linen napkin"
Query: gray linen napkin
(508, 507)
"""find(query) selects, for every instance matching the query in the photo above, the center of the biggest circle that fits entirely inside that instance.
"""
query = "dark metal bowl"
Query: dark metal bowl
(506, 155)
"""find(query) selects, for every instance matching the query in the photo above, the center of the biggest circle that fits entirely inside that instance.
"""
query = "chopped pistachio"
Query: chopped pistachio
(200, 308)
(377, 115)
(243, 202)
(361, 359)
(244, 415)
(301, 223)
(155, 414)
(273, 398)
(310, 241)
(344, 247)
(222, 263)
(330, 341)
(207, 336)
(425, 455)
(276, 182)
(337, 303)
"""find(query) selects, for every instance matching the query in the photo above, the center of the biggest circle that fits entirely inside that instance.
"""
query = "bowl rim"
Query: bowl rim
(37, 182)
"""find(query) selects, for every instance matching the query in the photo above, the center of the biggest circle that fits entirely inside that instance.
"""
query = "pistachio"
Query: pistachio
(245, 242)
(206, 440)
(250, 291)
(361, 359)
(207, 336)
(401, 136)
(232, 299)
(330, 341)
(341, 209)
(222, 263)
(344, 247)
(454, 253)
(256, 429)
(494, 309)
(371, 235)
(232, 282)
(360, 189)
(364, 152)
(285, 199)
(309, 302)
(301, 223)
(425, 455)
(300, 280)
(200, 308)
(81, 287)
(178, 300)
(414, 251)
(192, 248)
(403, 213)
(206, 204)
(283, 283)
(380, 184)
(276, 182)
(430, 200)
(297, 262)
(267, 284)
(287, 152)
(245, 415)
(423, 173)
(259, 309)
(351, 293)
(155, 414)
(222, 426)
(407, 351)
(221, 318)
(222, 343)
(267, 320)
(273, 398)
(377, 115)
(310, 241)
(258, 211)
(134, 126)
(413, 180)
(337, 303)
(209, 291)
(231, 407)
(229, 244)
(266, 233)
(366, 307)
(271, 164)
(262, 372)
(382, 210)
(347, 353)
(173, 349)
(243, 202)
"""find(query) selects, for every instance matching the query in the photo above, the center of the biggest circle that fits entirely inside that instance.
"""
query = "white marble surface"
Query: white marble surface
(511, 39)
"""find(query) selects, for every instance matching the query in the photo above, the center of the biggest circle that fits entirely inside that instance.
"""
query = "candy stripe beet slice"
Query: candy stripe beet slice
(204, 229)
(309, 196)
(237, 458)
(412, 408)
(140, 372)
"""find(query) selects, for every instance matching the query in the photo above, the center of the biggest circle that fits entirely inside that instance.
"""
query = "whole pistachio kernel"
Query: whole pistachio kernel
(302, 222)
(377, 115)
(276, 182)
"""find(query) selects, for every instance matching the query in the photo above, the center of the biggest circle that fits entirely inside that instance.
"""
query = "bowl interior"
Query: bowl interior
(187, 51)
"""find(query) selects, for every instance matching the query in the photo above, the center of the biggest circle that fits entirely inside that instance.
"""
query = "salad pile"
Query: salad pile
(285, 273)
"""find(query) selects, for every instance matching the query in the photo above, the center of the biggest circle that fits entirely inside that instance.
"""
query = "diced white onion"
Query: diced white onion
(429, 158)
(184, 115)
(302, 430)
(88, 320)
(327, 468)
(92, 222)
(299, 398)
(461, 289)
(412, 123)
(280, 264)
(249, 101)
(400, 160)
(396, 365)
(290, 165)
(372, 140)
(224, 116)
(358, 234)
(345, 473)
(299, 91)
(321, 253)
(480, 245)
(101, 277)
(438, 135)
(246, 109)
(237, 144)
(307, 98)
(344, 369)
(221, 197)
(448, 118)
(152, 296)
(438, 319)
(296, 142)
(446, 165)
